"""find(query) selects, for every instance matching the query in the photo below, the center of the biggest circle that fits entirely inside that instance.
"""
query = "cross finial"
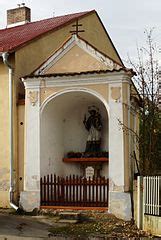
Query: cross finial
(77, 25)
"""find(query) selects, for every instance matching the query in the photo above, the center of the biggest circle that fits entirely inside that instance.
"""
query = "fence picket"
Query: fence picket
(89, 191)
(51, 188)
(41, 190)
(45, 190)
(73, 190)
(152, 192)
(93, 190)
(66, 184)
(58, 190)
(158, 195)
(77, 182)
(55, 195)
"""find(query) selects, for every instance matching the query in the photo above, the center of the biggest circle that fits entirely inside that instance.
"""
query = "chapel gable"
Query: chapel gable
(77, 55)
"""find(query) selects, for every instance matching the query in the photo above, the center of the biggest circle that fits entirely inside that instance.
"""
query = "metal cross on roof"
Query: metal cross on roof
(76, 31)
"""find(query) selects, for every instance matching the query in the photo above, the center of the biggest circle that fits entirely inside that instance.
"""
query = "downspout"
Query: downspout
(5, 56)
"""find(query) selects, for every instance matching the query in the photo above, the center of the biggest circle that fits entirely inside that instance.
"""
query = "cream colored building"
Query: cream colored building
(48, 78)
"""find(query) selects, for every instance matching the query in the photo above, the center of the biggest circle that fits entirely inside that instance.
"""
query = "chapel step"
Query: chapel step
(69, 217)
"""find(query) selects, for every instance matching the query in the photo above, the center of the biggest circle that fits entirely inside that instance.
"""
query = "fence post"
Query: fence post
(140, 202)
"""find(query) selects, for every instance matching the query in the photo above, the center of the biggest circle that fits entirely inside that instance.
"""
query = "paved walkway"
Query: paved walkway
(20, 227)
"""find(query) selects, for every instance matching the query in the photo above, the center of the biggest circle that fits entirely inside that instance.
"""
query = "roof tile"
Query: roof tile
(11, 38)
(127, 70)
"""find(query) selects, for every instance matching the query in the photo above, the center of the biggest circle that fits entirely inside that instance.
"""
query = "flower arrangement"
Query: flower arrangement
(87, 154)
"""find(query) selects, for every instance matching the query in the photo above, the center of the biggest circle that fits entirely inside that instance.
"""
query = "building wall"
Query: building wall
(126, 124)
(20, 144)
(96, 35)
(4, 117)
(152, 224)
(4, 137)
(131, 123)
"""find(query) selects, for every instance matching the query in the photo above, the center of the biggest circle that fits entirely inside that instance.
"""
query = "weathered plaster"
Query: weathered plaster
(29, 200)
(116, 162)
(4, 199)
(120, 205)
(20, 127)
(3, 172)
(4, 187)
(100, 88)
(4, 136)
(114, 187)
(4, 179)
(76, 60)
(116, 93)
(152, 224)
(126, 134)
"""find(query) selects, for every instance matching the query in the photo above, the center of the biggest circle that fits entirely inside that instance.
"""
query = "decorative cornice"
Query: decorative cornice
(32, 83)
(69, 81)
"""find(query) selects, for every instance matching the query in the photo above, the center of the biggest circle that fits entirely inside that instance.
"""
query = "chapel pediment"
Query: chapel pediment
(76, 55)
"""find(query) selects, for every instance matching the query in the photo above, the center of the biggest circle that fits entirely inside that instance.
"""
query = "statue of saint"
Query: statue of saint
(93, 125)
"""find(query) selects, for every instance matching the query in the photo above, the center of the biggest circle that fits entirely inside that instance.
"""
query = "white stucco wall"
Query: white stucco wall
(116, 147)
(62, 131)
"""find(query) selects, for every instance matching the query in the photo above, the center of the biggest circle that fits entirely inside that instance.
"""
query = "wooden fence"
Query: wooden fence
(74, 191)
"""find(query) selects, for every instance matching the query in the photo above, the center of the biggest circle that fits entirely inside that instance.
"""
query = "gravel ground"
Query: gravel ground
(96, 225)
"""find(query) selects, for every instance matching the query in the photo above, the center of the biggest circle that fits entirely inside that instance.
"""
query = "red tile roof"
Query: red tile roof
(127, 70)
(12, 38)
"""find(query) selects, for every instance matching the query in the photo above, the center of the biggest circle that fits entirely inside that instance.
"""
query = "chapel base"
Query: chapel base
(30, 200)
(120, 205)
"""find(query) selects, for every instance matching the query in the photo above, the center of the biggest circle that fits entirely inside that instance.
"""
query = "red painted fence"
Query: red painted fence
(74, 191)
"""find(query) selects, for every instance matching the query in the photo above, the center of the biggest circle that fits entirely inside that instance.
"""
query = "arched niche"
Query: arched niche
(63, 131)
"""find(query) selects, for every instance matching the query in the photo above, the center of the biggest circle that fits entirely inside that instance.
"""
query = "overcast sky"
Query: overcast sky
(125, 20)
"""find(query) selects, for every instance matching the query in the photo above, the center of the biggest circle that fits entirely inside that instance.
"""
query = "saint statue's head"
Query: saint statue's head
(93, 110)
